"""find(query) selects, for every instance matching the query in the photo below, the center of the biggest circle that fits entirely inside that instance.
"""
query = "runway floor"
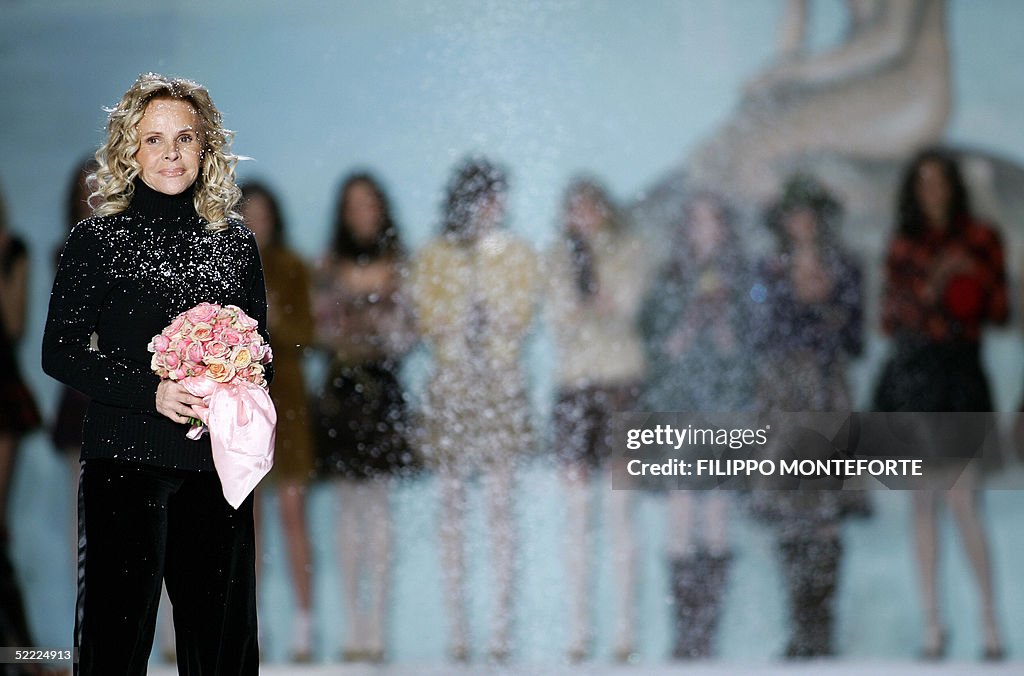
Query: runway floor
(823, 667)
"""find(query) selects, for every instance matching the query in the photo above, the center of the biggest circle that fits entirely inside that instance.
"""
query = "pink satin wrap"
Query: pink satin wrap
(242, 421)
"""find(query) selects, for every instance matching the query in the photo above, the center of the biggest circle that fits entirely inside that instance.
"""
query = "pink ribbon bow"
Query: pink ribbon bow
(242, 423)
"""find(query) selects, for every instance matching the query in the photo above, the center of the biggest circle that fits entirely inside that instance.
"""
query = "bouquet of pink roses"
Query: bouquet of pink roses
(217, 353)
(221, 343)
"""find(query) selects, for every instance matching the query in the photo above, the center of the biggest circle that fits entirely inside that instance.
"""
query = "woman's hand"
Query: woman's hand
(175, 402)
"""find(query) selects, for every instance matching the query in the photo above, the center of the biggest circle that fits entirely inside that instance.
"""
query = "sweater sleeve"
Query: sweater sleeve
(849, 299)
(75, 303)
(992, 276)
(904, 291)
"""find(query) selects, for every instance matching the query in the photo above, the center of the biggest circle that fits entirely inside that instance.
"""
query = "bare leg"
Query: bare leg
(378, 564)
(623, 548)
(963, 502)
(925, 503)
(577, 549)
(349, 554)
(453, 508)
(716, 518)
(681, 515)
(499, 479)
(292, 496)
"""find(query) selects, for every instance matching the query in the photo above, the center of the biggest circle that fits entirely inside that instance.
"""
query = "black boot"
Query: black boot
(698, 585)
(717, 566)
(686, 592)
(811, 574)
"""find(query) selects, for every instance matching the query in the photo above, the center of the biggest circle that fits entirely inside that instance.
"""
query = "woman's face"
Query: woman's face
(801, 225)
(489, 213)
(933, 192)
(169, 146)
(586, 215)
(363, 212)
(260, 218)
(707, 232)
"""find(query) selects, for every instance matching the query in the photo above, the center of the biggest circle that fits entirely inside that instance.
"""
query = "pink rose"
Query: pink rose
(194, 353)
(246, 322)
(159, 343)
(156, 364)
(198, 370)
(179, 373)
(256, 352)
(204, 313)
(217, 349)
(176, 325)
(219, 371)
(254, 374)
(171, 360)
(202, 332)
(231, 337)
(241, 357)
(223, 321)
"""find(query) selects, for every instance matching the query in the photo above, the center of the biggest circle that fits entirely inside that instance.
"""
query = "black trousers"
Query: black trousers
(141, 525)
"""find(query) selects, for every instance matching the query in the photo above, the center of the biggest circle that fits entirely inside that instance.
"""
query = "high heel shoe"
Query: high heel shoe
(936, 650)
(993, 653)
(626, 654)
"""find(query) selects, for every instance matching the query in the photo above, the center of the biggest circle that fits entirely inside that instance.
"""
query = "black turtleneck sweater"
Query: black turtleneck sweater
(125, 277)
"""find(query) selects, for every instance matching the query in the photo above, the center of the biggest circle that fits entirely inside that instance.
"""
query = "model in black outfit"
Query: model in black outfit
(150, 504)
(19, 416)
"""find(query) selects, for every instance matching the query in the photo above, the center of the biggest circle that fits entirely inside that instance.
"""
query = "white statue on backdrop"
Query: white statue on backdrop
(877, 96)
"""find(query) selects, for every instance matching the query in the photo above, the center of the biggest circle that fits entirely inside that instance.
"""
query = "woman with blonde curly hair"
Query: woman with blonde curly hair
(163, 238)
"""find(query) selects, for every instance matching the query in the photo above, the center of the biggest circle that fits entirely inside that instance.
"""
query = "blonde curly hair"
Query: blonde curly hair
(216, 194)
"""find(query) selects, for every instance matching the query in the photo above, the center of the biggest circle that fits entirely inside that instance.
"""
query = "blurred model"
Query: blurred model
(290, 320)
(596, 282)
(695, 321)
(945, 281)
(361, 421)
(474, 291)
(18, 417)
(809, 326)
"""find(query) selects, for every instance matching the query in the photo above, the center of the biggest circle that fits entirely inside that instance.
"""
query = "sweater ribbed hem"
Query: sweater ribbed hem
(150, 439)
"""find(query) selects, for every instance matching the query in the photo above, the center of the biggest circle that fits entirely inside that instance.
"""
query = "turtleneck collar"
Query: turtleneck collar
(153, 204)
